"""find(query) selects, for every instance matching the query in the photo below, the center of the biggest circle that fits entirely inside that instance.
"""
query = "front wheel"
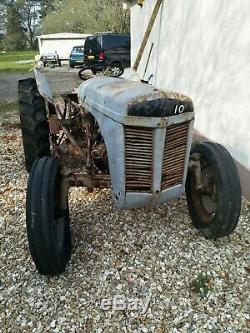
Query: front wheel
(47, 219)
(86, 73)
(214, 201)
(34, 123)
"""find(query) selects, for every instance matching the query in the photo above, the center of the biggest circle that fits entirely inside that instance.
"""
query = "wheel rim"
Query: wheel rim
(116, 71)
(205, 200)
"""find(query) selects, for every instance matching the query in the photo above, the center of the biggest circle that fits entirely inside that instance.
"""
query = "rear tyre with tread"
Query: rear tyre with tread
(34, 124)
(214, 209)
(48, 225)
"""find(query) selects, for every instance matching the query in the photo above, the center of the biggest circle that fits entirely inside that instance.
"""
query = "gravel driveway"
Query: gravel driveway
(61, 80)
(151, 257)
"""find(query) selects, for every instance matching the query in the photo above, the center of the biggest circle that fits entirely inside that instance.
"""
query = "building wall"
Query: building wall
(61, 44)
(203, 51)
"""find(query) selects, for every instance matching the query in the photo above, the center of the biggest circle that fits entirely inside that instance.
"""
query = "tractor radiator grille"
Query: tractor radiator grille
(139, 158)
(174, 155)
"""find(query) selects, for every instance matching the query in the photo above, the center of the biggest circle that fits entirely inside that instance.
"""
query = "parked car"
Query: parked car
(52, 58)
(76, 56)
(107, 50)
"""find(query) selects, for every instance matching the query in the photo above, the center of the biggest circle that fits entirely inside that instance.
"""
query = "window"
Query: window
(78, 49)
(93, 42)
(113, 41)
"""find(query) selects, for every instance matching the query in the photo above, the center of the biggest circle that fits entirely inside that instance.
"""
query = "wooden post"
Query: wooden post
(147, 34)
(140, 2)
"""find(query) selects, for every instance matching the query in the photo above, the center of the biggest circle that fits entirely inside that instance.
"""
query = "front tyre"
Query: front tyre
(86, 73)
(214, 206)
(48, 224)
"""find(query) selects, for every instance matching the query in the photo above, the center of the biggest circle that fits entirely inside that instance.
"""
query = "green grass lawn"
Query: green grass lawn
(8, 61)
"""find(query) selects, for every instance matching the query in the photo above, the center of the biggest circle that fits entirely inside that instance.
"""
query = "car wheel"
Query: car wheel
(214, 206)
(34, 124)
(48, 224)
(116, 69)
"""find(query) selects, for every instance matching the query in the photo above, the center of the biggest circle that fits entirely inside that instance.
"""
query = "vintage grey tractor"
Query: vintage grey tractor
(124, 135)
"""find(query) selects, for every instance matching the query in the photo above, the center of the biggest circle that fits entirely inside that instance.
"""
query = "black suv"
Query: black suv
(107, 50)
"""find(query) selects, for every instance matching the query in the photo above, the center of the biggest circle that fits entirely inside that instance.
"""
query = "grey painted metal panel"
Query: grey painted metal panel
(42, 85)
(136, 200)
(158, 151)
(107, 99)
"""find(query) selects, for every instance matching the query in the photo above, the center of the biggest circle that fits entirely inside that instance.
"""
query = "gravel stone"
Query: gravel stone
(145, 254)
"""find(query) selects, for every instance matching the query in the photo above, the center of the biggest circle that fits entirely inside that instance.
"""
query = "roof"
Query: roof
(63, 35)
(110, 33)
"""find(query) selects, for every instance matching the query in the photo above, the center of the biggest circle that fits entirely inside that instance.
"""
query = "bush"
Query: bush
(14, 41)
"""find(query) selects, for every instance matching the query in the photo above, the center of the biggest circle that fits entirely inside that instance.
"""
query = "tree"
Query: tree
(30, 14)
(46, 6)
(131, 2)
(15, 37)
(87, 17)
(2, 17)
(21, 19)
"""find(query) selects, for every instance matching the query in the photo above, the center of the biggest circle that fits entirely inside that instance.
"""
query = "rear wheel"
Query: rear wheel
(34, 124)
(116, 69)
(48, 224)
(214, 206)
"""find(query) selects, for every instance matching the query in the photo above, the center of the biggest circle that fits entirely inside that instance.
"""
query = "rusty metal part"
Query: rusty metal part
(59, 113)
(73, 150)
(139, 158)
(205, 199)
(99, 151)
(81, 153)
(54, 125)
(174, 155)
(78, 179)
(75, 105)
(88, 150)
(195, 166)
(101, 181)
